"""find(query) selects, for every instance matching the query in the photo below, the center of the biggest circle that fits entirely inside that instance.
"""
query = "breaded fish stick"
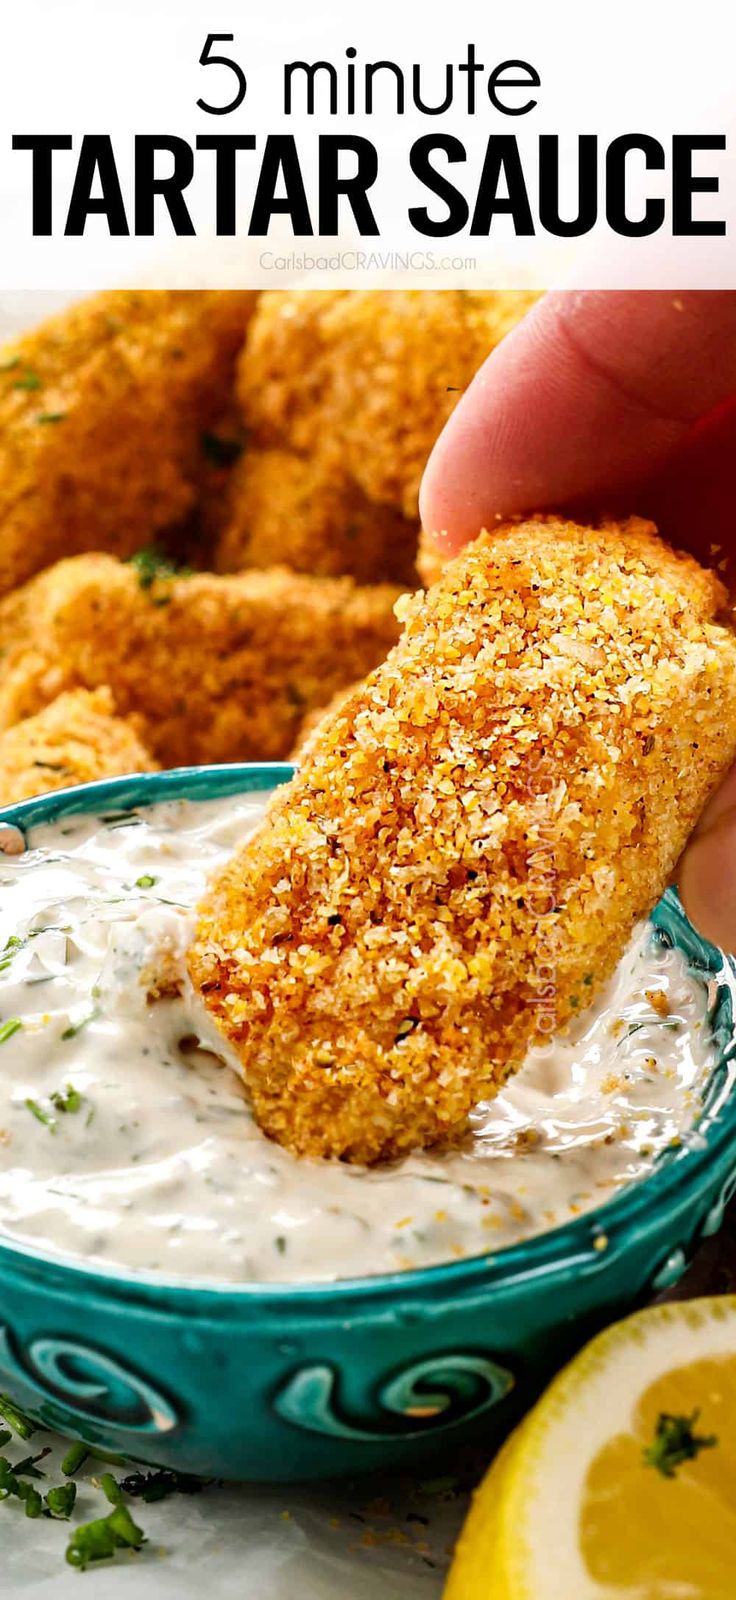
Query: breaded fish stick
(76, 739)
(374, 372)
(216, 668)
(101, 411)
(282, 507)
(461, 859)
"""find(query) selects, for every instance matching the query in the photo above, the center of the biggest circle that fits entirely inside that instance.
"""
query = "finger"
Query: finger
(590, 394)
(707, 877)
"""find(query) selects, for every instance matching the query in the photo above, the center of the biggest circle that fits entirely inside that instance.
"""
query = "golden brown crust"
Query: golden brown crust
(311, 516)
(374, 373)
(101, 410)
(217, 668)
(315, 718)
(76, 739)
(460, 861)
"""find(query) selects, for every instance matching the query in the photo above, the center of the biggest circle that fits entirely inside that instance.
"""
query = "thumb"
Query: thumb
(707, 872)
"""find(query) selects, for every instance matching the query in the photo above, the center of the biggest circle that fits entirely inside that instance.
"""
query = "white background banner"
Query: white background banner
(483, 192)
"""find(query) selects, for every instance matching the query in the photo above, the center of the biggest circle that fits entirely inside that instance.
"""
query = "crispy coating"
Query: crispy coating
(310, 515)
(217, 668)
(373, 372)
(315, 718)
(76, 739)
(101, 411)
(459, 862)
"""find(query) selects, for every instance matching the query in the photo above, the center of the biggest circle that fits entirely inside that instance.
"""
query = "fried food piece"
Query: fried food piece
(374, 372)
(315, 718)
(459, 863)
(76, 739)
(217, 668)
(101, 410)
(308, 514)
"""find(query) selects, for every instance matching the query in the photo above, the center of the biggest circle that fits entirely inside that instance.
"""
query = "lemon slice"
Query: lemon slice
(621, 1482)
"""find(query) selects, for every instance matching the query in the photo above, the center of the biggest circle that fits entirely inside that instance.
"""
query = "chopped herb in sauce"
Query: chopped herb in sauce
(38, 1112)
(146, 882)
(76, 1027)
(68, 1099)
(7, 1029)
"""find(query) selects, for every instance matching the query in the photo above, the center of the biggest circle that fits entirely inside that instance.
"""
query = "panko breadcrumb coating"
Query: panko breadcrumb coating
(76, 739)
(308, 514)
(460, 861)
(217, 668)
(372, 372)
(101, 410)
(315, 718)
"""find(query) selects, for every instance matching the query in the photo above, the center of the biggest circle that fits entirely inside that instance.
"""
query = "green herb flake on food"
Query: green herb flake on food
(7, 1029)
(675, 1442)
(147, 881)
(46, 418)
(153, 565)
(76, 1027)
(67, 1100)
(38, 1112)
(29, 380)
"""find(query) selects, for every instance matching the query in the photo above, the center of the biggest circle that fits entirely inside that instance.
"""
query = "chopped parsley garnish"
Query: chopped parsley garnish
(38, 1112)
(45, 417)
(152, 1486)
(13, 1025)
(111, 1489)
(17, 1420)
(75, 1458)
(222, 451)
(76, 1027)
(68, 1099)
(280, 1243)
(29, 380)
(99, 1540)
(60, 1501)
(675, 1441)
(153, 564)
(146, 882)
(17, 1481)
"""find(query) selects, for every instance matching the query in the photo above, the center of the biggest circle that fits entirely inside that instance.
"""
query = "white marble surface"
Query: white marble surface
(364, 1540)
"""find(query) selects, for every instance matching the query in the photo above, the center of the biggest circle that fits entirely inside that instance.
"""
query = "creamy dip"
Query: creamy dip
(125, 1133)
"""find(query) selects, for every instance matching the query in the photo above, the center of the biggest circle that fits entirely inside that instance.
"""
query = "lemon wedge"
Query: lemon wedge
(620, 1484)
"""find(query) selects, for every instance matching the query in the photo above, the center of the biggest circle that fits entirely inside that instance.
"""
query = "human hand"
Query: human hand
(617, 402)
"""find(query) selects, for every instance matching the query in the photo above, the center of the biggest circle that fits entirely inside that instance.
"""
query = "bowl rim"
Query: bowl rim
(577, 1242)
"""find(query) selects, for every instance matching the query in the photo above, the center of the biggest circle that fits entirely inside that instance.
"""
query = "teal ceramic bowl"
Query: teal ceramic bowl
(276, 1382)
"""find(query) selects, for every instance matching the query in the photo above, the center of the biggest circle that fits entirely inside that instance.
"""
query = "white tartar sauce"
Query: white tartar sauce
(126, 1136)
